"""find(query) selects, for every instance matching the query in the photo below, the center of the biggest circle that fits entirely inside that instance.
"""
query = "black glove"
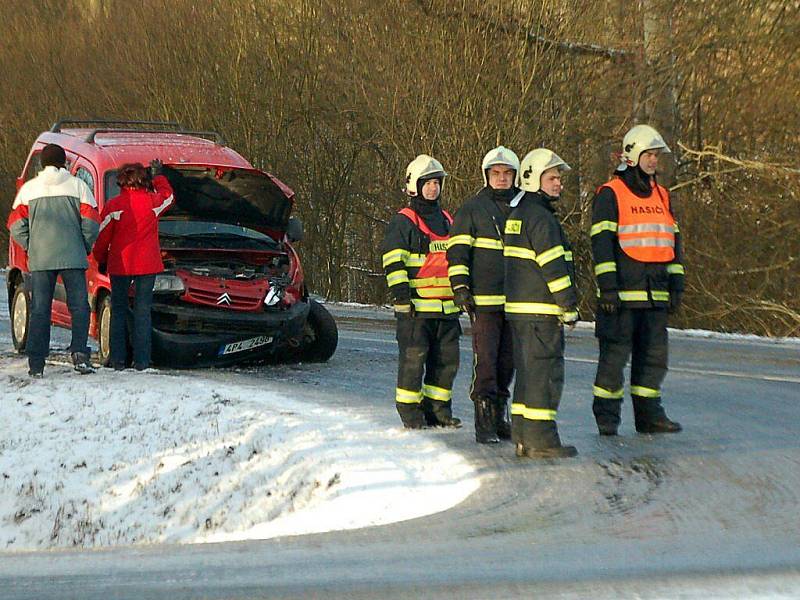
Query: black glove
(570, 316)
(405, 311)
(674, 302)
(463, 299)
(608, 302)
(156, 167)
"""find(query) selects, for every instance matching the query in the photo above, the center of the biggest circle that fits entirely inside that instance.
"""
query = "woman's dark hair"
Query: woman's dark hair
(133, 175)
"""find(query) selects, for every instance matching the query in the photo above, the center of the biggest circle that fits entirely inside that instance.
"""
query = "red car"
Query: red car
(233, 287)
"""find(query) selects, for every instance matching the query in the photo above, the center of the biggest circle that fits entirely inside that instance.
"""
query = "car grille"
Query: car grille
(230, 300)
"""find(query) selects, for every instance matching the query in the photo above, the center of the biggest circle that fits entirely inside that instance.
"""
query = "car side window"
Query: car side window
(34, 166)
(84, 175)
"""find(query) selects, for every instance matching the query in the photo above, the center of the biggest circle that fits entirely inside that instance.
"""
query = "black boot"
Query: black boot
(606, 414)
(650, 417)
(485, 432)
(442, 413)
(430, 416)
(502, 421)
(412, 415)
(544, 442)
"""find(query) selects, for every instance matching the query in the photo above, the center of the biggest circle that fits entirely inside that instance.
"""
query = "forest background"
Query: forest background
(335, 97)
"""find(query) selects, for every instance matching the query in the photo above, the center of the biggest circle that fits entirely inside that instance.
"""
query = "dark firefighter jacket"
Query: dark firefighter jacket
(404, 250)
(539, 273)
(475, 249)
(638, 284)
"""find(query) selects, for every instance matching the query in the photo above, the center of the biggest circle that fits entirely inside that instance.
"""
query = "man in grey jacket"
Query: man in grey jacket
(54, 218)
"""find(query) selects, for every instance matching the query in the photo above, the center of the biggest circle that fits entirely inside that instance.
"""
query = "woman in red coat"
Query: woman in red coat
(128, 246)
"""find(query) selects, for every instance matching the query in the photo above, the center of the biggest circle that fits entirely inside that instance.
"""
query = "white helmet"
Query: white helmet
(639, 139)
(534, 164)
(499, 156)
(422, 168)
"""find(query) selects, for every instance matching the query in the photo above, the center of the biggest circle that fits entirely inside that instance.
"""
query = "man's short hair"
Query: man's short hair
(53, 155)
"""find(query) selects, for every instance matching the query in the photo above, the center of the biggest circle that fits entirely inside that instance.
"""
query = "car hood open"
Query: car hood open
(246, 197)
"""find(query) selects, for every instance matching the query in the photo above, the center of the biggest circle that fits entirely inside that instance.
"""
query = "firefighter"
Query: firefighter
(540, 299)
(475, 255)
(636, 246)
(428, 330)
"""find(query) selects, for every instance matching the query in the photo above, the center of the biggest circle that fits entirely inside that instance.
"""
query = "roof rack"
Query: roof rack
(147, 127)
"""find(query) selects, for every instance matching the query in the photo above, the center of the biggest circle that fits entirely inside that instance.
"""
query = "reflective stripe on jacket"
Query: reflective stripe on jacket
(431, 280)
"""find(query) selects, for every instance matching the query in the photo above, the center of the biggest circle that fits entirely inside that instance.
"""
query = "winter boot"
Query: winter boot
(650, 417)
(430, 416)
(502, 422)
(412, 416)
(606, 414)
(443, 415)
(81, 363)
(544, 442)
(485, 432)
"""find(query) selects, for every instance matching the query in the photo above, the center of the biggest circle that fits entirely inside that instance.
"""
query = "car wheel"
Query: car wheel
(20, 317)
(104, 331)
(321, 334)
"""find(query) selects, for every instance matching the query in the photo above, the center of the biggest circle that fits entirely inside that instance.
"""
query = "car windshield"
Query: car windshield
(207, 234)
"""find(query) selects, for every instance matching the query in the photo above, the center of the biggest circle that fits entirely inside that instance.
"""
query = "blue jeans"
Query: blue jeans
(142, 326)
(43, 285)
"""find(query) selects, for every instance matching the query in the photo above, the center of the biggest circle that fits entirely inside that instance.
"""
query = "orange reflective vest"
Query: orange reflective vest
(431, 281)
(646, 227)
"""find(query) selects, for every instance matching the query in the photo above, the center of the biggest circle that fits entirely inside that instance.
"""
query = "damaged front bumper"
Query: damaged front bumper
(192, 336)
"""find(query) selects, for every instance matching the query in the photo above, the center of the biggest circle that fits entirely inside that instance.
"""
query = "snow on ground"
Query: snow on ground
(131, 458)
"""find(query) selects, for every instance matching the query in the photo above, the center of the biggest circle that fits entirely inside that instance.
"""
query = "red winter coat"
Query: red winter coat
(128, 240)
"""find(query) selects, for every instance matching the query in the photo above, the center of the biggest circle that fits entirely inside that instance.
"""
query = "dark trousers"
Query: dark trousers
(639, 333)
(426, 369)
(43, 285)
(493, 356)
(141, 332)
(539, 361)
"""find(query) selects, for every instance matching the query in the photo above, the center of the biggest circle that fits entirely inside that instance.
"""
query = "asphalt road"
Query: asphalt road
(709, 513)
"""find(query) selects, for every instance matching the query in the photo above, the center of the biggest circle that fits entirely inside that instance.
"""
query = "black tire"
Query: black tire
(321, 335)
(104, 331)
(20, 317)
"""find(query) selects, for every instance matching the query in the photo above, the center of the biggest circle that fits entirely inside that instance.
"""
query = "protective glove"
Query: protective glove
(569, 316)
(463, 298)
(608, 302)
(674, 302)
(156, 167)
(404, 311)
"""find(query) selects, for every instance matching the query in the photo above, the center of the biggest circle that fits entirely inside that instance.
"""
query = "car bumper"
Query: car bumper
(188, 336)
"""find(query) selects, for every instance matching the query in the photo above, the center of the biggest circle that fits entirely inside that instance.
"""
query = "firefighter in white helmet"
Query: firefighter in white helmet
(636, 246)
(415, 262)
(475, 254)
(540, 299)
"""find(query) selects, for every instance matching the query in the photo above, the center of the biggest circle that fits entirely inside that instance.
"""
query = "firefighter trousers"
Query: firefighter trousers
(539, 362)
(427, 367)
(493, 357)
(639, 333)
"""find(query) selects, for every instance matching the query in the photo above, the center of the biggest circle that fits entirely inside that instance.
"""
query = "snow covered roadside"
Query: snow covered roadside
(132, 458)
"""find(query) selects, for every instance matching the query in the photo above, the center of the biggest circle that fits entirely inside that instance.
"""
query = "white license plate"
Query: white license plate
(255, 342)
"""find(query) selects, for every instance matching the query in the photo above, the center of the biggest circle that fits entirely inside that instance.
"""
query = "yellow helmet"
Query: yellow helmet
(422, 168)
(640, 138)
(534, 164)
(499, 156)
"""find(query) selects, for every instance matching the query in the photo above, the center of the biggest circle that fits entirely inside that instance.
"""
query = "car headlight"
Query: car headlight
(168, 283)
(273, 296)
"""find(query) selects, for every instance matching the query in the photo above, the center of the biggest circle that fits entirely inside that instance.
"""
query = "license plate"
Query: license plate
(255, 342)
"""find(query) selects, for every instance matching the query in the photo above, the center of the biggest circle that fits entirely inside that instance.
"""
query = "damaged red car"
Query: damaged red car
(233, 288)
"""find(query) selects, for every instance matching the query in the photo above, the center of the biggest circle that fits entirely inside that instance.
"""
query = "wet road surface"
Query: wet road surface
(710, 512)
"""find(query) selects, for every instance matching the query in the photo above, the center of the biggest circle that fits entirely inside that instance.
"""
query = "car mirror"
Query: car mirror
(294, 230)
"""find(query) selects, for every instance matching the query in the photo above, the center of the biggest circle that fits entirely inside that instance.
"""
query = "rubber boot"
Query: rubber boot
(485, 432)
(443, 414)
(502, 421)
(650, 417)
(544, 442)
(412, 415)
(606, 414)
(430, 416)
